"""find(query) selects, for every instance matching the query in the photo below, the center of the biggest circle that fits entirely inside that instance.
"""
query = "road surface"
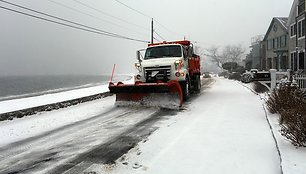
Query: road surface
(221, 130)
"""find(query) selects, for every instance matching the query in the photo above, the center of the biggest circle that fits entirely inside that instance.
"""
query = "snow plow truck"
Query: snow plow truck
(167, 73)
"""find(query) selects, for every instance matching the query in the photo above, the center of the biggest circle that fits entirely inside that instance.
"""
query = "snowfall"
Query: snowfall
(225, 129)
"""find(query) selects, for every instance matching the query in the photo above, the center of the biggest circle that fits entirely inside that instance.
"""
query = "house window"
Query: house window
(301, 7)
(301, 28)
(270, 45)
(293, 30)
(283, 41)
(278, 42)
(293, 58)
(301, 60)
(284, 62)
(273, 43)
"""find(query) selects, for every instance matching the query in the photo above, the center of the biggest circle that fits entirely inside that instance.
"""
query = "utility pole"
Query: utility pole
(152, 31)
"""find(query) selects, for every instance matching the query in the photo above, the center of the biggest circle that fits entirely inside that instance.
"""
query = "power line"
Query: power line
(98, 18)
(133, 9)
(156, 39)
(107, 14)
(143, 14)
(165, 27)
(72, 26)
(55, 17)
(159, 35)
(90, 29)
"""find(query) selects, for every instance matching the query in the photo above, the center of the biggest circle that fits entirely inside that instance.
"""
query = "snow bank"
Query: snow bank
(24, 103)
(293, 159)
(23, 128)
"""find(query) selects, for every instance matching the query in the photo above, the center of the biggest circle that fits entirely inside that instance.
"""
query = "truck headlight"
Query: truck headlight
(178, 63)
(138, 66)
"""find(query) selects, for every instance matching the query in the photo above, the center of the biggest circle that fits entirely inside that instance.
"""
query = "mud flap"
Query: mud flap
(165, 95)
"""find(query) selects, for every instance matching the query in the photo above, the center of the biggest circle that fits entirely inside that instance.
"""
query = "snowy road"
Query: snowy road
(223, 130)
(102, 138)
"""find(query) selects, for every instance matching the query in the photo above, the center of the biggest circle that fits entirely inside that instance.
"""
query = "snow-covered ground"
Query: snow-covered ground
(23, 128)
(223, 130)
(293, 159)
(29, 102)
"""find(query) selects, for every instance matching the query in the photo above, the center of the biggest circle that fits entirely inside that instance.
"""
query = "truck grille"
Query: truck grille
(163, 73)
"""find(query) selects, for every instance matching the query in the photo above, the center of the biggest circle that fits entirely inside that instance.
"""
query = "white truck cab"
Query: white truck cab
(163, 63)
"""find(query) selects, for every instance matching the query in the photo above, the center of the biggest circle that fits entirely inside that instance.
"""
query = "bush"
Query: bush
(293, 125)
(247, 77)
(224, 74)
(235, 76)
(260, 88)
(289, 102)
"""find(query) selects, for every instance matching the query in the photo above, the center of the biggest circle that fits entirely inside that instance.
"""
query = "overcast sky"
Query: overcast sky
(30, 46)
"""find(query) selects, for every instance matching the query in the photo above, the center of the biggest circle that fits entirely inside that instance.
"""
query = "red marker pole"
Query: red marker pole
(111, 78)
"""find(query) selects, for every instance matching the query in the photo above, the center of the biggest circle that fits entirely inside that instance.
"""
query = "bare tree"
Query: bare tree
(215, 55)
(230, 53)
(233, 53)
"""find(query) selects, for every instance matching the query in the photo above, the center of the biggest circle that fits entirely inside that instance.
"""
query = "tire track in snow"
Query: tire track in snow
(109, 152)
(60, 146)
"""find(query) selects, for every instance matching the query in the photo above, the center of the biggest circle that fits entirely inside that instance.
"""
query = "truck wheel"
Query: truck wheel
(197, 84)
(186, 90)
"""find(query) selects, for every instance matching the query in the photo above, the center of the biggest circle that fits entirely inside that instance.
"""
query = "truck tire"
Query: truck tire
(186, 90)
(197, 84)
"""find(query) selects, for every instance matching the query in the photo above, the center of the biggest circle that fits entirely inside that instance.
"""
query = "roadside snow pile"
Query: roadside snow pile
(23, 128)
(30, 102)
(293, 159)
(23, 103)
(247, 77)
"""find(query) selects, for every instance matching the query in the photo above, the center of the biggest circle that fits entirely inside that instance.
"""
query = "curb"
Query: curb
(50, 107)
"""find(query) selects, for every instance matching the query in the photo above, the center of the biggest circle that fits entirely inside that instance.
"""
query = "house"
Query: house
(296, 27)
(248, 62)
(255, 52)
(275, 45)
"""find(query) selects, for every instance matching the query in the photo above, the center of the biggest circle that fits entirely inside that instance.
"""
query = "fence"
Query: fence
(300, 81)
(281, 75)
(275, 77)
(271, 78)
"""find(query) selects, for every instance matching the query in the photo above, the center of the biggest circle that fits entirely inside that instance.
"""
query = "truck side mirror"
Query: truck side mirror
(139, 55)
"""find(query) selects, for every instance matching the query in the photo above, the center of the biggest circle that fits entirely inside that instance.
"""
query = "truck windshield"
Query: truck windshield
(163, 51)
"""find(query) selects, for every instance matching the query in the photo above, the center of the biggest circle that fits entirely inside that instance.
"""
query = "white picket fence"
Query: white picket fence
(300, 81)
(277, 77)
(281, 75)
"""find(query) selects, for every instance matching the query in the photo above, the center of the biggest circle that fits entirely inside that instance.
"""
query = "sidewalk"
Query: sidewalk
(223, 131)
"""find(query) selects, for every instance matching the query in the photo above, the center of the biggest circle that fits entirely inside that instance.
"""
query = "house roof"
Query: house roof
(292, 13)
(282, 21)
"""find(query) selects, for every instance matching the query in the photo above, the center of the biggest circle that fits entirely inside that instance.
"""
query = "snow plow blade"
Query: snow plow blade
(165, 95)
